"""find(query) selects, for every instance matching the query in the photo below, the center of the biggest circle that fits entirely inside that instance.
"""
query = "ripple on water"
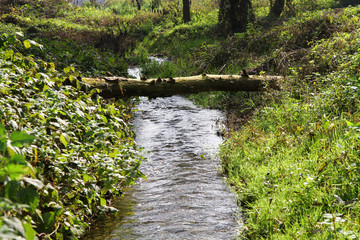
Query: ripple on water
(184, 197)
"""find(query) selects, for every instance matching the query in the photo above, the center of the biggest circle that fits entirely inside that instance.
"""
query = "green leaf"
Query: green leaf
(64, 139)
(102, 201)
(12, 150)
(17, 171)
(86, 177)
(20, 138)
(32, 42)
(30, 197)
(67, 70)
(2, 131)
(29, 231)
(52, 66)
(18, 159)
(12, 39)
(349, 124)
(3, 144)
(48, 222)
(27, 44)
(11, 190)
(3, 138)
(106, 188)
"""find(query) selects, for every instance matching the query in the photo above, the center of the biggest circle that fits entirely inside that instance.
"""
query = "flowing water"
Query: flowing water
(183, 197)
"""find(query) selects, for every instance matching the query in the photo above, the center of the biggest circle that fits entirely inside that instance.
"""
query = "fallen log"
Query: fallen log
(157, 87)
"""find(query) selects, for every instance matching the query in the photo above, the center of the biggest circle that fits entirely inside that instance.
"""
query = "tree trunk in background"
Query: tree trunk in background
(277, 8)
(138, 4)
(234, 15)
(186, 11)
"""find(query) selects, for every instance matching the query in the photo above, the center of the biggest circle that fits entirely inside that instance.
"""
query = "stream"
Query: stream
(183, 197)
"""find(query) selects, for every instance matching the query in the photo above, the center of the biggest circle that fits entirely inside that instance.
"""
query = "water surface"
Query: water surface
(183, 197)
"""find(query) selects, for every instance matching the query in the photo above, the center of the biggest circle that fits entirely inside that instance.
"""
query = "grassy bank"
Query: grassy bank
(295, 161)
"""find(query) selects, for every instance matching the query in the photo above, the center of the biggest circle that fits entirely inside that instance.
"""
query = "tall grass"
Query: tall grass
(295, 164)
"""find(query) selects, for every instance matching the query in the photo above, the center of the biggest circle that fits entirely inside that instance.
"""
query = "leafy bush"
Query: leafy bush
(82, 155)
(19, 195)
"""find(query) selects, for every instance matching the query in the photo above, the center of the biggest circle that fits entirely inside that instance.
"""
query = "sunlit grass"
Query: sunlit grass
(295, 164)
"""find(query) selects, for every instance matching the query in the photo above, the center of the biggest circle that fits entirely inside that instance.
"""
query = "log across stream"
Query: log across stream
(164, 87)
(183, 197)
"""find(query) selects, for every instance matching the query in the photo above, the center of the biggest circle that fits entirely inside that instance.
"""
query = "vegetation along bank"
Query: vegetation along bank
(291, 155)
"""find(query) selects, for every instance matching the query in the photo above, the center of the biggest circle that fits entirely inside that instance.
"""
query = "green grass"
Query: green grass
(295, 164)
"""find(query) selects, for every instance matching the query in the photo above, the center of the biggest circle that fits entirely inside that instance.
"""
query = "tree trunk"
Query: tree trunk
(234, 15)
(186, 11)
(127, 87)
(277, 8)
(138, 3)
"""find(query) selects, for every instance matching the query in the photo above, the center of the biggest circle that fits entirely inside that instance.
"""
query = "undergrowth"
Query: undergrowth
(63, 152)
(295, 162)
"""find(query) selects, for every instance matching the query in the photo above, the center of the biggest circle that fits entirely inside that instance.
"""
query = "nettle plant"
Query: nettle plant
(81, 154)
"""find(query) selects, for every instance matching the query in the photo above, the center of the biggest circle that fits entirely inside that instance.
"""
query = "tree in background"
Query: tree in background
(137, 3)
(344, 3)
(277, 8)
(186, 11)
(234, 15)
